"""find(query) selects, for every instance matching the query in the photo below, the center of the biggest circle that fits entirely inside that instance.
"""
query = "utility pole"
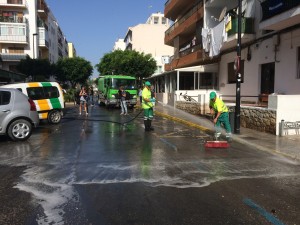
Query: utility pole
(33, 37)
(237, 117)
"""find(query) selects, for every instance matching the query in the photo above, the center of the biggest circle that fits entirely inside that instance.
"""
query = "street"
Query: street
(105, 169)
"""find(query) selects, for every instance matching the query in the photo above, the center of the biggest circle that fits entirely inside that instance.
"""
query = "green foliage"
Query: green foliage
(128, 62)
(75, 70)
(38, 69)
(69, 96)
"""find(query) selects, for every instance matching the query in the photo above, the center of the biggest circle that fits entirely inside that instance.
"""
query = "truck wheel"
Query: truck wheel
(54, 117)
(19, 130)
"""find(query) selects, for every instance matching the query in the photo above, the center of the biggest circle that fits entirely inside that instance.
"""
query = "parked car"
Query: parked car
(18, 114)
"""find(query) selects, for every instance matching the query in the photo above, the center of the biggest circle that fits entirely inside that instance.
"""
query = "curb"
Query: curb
(183, 121)
(235, 138)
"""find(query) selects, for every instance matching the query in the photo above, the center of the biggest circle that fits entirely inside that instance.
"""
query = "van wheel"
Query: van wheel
(54, 117)
(19, 130)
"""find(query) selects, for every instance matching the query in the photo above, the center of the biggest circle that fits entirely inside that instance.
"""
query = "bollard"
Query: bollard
(281, 127)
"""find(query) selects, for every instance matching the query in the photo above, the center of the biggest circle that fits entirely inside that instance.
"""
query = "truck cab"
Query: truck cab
(109, 85)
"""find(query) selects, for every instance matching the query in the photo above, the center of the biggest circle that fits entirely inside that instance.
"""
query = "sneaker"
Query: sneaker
(87, 114)
(126, 114)
(122, 114)
(79, 114)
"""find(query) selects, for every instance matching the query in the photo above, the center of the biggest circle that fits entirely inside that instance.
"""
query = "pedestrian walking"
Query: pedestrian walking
(91, 95)
(147, 105)
(153, 96)
(83, 100)
(220, 115)
(140, 95)
(122, 96)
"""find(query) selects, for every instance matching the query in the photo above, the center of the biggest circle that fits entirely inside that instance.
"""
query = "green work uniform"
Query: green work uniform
(219, 106)
(147, 106)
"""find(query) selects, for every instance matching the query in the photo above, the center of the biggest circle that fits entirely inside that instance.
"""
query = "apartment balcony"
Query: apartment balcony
(41, 23)
(8, 19)
(185, 26)
(13, 33)
(22, 4)
(43, 40)
(42, 9)
(192, 56)
(12, 57)
(247, 32)
(174, 8)
(280, 14)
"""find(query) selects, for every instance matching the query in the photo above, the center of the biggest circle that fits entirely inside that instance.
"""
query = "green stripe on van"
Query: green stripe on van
(46, 84)
(55, 103)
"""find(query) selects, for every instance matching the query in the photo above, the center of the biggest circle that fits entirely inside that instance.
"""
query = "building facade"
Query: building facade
(28, 27)
(204, 37)
(119, 45)
(149, 39)
(71, 50)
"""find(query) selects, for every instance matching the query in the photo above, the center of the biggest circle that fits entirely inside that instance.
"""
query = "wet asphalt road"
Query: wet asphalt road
(88, 170)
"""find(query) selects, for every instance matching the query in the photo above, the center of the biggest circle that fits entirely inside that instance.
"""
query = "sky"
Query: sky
(93, 26)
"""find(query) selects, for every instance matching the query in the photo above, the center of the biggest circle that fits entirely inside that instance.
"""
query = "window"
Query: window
(298, 64)
(37, 93)
(15, 50)
(231, 72)
(51, 92)
(4, 97)
(156, 19)
(163, 20)
(206, 80)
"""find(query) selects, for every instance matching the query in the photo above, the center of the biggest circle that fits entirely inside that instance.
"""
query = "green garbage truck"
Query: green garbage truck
(108, 87)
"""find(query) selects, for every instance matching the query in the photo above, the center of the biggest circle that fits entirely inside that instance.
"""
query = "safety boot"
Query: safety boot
(150, 127)
(146, 125)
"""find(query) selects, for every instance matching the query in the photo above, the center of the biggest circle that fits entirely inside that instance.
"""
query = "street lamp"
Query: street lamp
(33, 37)
(237, 117)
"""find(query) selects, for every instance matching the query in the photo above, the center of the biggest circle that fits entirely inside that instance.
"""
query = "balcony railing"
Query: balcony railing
(185, 17)
(6, 19)
(14, 33)
(247, 26)
(22, 3)
(43, 37)
(41, 23)
(12, 57)
(189, 50)
(43, 9)
(272, 8)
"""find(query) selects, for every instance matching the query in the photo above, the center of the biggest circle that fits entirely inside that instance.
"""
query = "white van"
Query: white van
(47, 96)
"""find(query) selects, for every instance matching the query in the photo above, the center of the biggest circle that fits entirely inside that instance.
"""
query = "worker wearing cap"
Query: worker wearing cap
(220, 112)
(147, 106)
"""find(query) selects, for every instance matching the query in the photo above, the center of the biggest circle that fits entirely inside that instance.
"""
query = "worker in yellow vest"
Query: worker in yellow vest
(147, 105)
(220, 115)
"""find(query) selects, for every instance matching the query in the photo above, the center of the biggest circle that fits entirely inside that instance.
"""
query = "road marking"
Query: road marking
(262, 212)
(168, 143)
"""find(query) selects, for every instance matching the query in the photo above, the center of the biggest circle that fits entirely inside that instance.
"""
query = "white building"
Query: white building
(270, 56)
(119, 45)
(28, 27)
(149, 39)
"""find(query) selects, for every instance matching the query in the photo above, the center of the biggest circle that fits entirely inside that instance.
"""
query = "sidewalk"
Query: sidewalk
(288, 146)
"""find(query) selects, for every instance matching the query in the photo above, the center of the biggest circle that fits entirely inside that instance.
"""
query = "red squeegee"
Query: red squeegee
(216, 144)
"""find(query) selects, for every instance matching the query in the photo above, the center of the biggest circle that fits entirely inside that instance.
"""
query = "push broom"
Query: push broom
(216, 143)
